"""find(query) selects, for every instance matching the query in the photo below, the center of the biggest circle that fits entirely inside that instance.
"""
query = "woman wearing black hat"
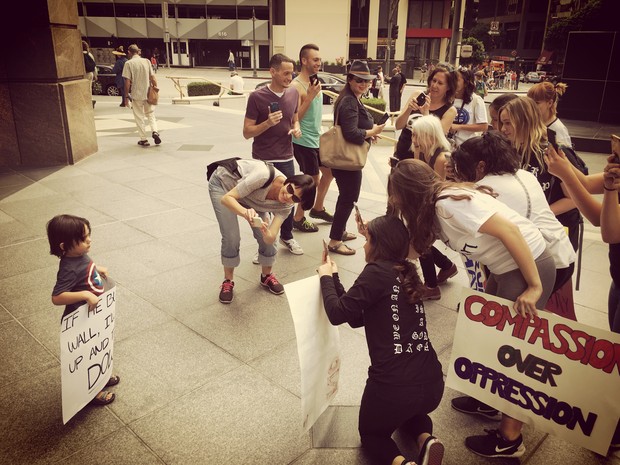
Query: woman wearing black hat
(357, 127)
(121, 59)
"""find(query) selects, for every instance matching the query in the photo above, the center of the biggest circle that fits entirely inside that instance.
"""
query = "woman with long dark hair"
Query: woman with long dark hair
(357, 127)
(471, 117)
(405, 381)
(438, 102)
(471, 221)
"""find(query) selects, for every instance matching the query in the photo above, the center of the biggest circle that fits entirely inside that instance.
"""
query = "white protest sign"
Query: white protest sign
(318, 346)
(560, 376)
(86, 353)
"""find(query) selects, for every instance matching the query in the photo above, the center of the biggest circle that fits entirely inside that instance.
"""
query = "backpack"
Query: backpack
(89, 63)
(231, 165)
(575, 159)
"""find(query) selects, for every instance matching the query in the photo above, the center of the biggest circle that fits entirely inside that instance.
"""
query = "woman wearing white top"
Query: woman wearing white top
(471, 113)
(546, 96)
(470, 221)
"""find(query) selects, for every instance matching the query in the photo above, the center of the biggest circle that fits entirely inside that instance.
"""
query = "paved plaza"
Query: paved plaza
(202, 382)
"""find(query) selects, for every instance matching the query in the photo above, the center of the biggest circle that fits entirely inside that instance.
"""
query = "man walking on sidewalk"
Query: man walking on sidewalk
(138, 74)
(271, 119)
(306, 148)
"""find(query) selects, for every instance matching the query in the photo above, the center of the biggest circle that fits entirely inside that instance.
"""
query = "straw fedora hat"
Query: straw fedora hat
(359, 68)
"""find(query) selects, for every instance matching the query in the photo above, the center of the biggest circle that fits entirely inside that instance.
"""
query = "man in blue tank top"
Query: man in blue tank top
(306, 148)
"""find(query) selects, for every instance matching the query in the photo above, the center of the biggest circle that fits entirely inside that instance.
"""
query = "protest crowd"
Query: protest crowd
(508, 194)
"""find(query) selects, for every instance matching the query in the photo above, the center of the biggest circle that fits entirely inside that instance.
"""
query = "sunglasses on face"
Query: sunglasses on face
(360, 80)
(291, 190)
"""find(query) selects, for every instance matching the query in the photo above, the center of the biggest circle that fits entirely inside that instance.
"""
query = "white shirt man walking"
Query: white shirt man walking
(138, 75)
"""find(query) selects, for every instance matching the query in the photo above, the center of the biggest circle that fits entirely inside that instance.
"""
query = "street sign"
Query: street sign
(514, 53)
(466, 51)
(166, 37)
(494, 29)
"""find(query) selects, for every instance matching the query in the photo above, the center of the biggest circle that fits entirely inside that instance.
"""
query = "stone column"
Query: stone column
(46, 114)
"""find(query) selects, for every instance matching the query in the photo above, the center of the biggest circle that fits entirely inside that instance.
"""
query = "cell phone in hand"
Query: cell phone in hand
(383, 118)
(273, 107)
(313, 79)
(257, 222)
(358, 215)
(615, 148)
(551, 139)
(325, 250)
(421, 99)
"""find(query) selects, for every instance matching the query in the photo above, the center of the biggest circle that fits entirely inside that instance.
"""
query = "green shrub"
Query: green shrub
(377, 103)
(203, 88)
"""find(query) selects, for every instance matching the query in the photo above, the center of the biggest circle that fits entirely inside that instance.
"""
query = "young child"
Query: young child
(78, 280)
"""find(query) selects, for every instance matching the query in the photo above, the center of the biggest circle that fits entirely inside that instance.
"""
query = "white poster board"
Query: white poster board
(318, 346)
(86, 353)
(560, 376)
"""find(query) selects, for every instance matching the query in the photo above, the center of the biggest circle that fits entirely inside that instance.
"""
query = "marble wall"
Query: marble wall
(46, 114)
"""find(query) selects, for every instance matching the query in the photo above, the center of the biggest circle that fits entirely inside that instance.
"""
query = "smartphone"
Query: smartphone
(325, 250)
(551, 139)
(383, 119)
(273, 107)
(257, 222)
(358, 215)
(421, 99)
(313, 79)
(615, 148)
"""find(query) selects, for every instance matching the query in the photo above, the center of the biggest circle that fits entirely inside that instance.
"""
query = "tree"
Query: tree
(479, 53)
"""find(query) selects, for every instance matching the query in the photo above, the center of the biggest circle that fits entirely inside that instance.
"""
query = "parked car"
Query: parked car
(106, 82)
(532, 76)
(329, 82)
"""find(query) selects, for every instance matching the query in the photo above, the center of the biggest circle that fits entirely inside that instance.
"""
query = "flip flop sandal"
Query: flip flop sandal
(103, 398)
(113, 381)
(347, 236)
(144, 143)
(341, 249)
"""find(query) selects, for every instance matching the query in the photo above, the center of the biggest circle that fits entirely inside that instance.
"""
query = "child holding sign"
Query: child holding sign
(79, 281)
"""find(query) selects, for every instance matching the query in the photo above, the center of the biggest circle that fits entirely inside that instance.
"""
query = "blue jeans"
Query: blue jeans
(288, 169)
(229, 228)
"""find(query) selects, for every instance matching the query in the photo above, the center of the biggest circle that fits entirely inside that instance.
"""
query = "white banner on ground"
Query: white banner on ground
(318, 346)
(86, 353)
(560, 376)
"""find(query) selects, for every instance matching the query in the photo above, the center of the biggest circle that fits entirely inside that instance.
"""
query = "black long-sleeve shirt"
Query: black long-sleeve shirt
(353, 119)
(398, 343)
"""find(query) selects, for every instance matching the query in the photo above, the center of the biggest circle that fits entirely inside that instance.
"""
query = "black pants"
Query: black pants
(349, 184)
(385, 408)
(428, 262)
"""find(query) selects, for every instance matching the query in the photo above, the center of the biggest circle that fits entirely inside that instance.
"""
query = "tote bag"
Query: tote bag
(152, 96)
(336, 152)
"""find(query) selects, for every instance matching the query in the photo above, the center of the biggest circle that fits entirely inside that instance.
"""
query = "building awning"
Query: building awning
(544, 58)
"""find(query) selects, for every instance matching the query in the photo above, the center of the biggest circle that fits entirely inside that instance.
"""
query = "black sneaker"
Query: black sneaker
(271, 282)
(493, 444)
(226, 291)
(322, 215)
(156, 138)
(304, 225)
(472, 406)
(431, 452)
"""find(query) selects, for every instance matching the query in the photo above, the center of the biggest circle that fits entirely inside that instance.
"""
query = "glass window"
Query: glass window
(415, 15)
(427, 10)
(221, 12)
(191, 11)
(437, 17)
(245, 12)
(129, 10)
(99, 9)
(153, 11)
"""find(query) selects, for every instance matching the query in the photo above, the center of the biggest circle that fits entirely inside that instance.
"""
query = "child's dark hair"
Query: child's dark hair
(67, 230)
(497, 153)
(389, 240)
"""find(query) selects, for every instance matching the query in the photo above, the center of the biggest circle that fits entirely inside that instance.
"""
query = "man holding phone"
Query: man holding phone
(306, 148)
(271, 120)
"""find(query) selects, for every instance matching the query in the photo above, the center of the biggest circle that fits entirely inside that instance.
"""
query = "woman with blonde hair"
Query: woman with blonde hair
(546, 96)
(521, 122)
(430, 145)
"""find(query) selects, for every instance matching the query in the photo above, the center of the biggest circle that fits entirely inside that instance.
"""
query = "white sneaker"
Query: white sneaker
(293, 246)
(255, 259)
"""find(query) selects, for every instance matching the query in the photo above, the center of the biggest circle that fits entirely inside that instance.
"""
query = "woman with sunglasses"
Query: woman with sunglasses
(438, 102)
(251, 189)
(358, 127)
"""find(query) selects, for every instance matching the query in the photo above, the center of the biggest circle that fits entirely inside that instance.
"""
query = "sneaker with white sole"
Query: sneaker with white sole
(226, 291)
(271, 282)
(493, 444)
(255, 259)
(472, 406)
(293, 246)
(431, 452)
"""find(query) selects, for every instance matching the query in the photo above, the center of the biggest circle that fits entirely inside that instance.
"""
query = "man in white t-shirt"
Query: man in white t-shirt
(236, 83)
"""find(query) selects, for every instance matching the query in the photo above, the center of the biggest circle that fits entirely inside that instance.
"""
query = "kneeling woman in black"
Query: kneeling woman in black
(405, 381)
